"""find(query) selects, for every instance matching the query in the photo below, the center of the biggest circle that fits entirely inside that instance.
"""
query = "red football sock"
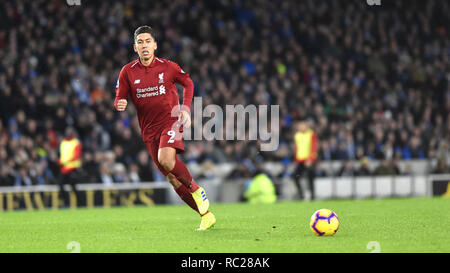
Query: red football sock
(186, 196)
(182, 174)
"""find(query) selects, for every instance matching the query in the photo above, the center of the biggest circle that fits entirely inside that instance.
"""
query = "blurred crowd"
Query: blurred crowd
(373, 80)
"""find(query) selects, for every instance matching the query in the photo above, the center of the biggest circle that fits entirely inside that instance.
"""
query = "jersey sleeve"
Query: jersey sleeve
(122, 87)
(185, 80)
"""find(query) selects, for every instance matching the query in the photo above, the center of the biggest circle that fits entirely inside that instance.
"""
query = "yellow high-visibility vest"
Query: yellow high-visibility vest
(261, 190)
(67, 151)
(303, 144)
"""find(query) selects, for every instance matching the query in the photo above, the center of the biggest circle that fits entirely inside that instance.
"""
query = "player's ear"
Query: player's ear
(134, 47)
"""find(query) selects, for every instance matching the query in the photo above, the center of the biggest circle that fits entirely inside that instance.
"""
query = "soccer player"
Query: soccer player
(149, 81)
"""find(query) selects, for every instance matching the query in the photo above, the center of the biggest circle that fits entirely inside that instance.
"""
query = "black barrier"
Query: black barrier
(441, 187)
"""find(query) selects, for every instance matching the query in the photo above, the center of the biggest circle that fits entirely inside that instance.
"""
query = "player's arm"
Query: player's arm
(185, 80)
(122, 90)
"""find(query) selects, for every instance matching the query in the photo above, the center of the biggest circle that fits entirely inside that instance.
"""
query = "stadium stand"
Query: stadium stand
(375, 81)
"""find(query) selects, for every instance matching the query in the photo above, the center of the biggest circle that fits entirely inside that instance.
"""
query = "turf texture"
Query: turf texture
(418, 225)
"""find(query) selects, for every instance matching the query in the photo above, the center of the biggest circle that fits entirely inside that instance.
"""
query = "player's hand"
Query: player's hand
(122, 105)
(185, 118)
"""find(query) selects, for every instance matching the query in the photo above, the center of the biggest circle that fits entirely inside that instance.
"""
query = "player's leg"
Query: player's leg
(180, 189)
(170, 144)
(182, 192)
(208, 219)
(167, 158)
(173, 181)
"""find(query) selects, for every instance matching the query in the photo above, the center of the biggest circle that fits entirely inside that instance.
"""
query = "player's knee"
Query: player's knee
(166, 163)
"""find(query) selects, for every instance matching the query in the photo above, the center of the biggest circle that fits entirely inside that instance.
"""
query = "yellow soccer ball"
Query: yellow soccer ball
(324, 222)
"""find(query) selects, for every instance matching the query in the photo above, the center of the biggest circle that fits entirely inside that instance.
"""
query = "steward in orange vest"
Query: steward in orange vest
(305, 143)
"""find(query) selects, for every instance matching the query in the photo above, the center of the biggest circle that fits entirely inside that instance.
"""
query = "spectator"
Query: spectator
(321, 172)
(207, 170)
(145, 169)
(42, 175)
(441, 167)
(364, 169)
(6, 177)
(415, 149)
(91, 166)
(395, 166)
(260, 190)
(240, 171)
(22, 178)
(385, 168)
(105, 175)
(119, 154)
(120, 174)
(346, 169)
(133, 173)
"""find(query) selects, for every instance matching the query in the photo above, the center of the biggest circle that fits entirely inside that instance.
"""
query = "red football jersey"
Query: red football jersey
(153, 92)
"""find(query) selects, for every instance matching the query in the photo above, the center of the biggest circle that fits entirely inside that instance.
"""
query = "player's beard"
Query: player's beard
(146, 57)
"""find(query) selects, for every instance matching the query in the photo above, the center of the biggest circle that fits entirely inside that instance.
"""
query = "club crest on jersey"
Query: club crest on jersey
(161, 77)
(137, 81)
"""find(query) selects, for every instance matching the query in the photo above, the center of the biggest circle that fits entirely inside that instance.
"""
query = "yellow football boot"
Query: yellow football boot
(201, 200)
(208, 221)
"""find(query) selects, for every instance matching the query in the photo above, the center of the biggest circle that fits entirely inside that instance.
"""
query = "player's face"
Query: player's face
(145, 46)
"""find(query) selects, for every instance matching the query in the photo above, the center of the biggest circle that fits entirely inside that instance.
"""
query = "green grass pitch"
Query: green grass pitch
(396, 225)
